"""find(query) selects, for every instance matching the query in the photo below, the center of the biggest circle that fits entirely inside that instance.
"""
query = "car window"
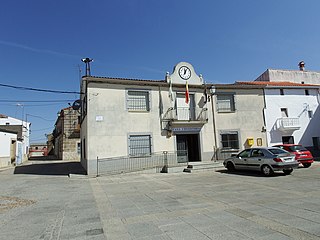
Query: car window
(277, 150)
(297, 148)
(244, 153)
(257, 153)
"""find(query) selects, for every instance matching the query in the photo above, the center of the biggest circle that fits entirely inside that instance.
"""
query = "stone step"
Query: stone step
(202, 166)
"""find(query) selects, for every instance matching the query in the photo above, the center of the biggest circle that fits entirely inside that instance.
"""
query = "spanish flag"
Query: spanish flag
(187, 93)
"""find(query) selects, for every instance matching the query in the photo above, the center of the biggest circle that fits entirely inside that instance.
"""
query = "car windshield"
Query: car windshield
(277, 151)
(297, 148)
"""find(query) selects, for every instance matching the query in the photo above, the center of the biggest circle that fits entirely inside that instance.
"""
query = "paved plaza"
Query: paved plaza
(52, 200)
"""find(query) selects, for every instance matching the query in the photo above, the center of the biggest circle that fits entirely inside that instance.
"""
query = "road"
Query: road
(52, 200)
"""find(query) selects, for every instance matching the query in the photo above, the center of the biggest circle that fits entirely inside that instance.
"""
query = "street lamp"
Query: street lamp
(87, 62)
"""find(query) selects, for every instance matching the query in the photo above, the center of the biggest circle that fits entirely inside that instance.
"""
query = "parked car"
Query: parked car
(302, 154)
(265, 159)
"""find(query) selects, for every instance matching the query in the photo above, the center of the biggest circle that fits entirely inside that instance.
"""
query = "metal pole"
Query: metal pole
(97, 167)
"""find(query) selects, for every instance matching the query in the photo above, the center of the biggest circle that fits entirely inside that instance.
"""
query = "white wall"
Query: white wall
(25, 133)
(296, 102)
(5, 143)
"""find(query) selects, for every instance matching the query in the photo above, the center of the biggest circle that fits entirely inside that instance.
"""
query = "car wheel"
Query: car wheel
(287, 171)
(230, 166)
(306, 165)
(266, 170)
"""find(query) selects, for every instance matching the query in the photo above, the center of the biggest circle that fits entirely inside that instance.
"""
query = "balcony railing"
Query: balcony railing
(186, 114)
(288, 124)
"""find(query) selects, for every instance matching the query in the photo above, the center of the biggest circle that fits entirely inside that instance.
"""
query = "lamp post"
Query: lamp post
(87, 62)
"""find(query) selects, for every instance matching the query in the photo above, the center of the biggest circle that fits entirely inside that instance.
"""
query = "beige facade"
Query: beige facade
(238, 118)
(113, 121)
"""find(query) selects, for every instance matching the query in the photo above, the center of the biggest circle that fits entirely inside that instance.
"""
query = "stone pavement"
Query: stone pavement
(36, 203)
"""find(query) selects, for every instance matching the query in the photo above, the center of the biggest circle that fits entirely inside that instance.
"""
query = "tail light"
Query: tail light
(277, 160)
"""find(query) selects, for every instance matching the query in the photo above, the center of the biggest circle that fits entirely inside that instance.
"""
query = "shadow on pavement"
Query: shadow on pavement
(248, 173)
(50, 166)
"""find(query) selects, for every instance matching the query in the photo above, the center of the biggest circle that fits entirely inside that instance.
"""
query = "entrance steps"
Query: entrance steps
(202, 166)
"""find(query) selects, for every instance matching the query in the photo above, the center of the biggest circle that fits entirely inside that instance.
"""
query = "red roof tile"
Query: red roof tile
(280, 84)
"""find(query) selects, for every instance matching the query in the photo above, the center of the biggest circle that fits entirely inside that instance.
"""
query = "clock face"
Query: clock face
(184, 72)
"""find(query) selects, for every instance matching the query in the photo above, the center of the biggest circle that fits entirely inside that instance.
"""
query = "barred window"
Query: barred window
(139, 145)
(230, 140)
(138, 100)
(225, 103)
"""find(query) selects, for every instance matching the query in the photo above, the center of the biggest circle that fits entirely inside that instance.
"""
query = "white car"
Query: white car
(267, 160)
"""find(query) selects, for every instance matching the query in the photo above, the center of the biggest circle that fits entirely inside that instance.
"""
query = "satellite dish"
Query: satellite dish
(76, 105)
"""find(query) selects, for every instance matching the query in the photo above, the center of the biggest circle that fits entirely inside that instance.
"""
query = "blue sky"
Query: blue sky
(42, 42)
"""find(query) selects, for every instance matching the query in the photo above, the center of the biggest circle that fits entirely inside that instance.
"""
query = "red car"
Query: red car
(303, 155)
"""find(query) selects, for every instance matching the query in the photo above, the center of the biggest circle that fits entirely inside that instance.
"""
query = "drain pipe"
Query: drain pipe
(212, 93)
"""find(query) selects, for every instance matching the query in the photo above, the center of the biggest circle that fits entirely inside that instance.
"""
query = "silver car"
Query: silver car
(267, 160)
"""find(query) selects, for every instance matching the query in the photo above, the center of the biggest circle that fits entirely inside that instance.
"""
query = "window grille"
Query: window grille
(138, 100)
(230, 140)
(139, 145)
(225, 103)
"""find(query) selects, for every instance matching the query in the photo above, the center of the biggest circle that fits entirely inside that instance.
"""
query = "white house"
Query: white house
(8, 149)
(291, 112)
(23, 133)
(132, 117)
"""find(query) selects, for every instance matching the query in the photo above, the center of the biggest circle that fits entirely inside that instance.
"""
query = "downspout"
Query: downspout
(212, 92)
(264, 117)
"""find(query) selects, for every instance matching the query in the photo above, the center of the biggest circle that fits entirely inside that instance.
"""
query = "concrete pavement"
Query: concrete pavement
(36, 203)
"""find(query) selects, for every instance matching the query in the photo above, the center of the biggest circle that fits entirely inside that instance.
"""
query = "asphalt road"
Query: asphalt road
(42, 201)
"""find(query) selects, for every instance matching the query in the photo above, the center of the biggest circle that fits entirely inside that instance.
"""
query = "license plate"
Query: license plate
(288, 159)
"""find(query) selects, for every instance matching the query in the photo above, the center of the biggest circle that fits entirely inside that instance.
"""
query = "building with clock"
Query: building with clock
(133, 118)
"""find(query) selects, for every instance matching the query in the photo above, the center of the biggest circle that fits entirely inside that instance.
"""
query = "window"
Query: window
(138, 100)
(245, 153)
(225, 103)
(139, 145)
(284, 112)
(281, 92)
(78, 148)
(306, 92)
(310, 114)
(257, 153)
(230, 140)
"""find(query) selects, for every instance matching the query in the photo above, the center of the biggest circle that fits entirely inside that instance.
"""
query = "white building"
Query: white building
(8, 149)
(291, 112)
(23, 134)
(132, 117)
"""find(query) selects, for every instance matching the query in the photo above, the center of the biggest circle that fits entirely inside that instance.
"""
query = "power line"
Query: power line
(37, 89)
(9, 101)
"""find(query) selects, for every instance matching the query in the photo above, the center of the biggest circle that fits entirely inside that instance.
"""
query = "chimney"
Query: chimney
(301, 66)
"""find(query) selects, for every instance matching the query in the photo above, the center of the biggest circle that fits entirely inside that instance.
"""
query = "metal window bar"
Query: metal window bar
(225, 103)
(126, 164)
(138, 101)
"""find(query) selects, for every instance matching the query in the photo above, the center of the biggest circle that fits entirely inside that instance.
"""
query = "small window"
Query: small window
(79, 148)
(138, 100)
(7, 123)
(310, 114)
(230, 140)
(225, 103)
(306, 92)
(284, 112)
(139, 145)
(281, 92)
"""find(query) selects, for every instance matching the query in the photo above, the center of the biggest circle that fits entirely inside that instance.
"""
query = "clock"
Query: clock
(184, 72)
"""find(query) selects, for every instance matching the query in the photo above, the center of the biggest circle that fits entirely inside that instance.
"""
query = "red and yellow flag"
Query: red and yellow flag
(187, 93)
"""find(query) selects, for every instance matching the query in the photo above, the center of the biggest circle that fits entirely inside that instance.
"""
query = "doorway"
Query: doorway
(188, 148)
(287, 140)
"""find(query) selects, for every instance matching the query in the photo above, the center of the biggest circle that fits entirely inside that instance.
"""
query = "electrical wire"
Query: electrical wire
(38, 89)
(67, 100)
